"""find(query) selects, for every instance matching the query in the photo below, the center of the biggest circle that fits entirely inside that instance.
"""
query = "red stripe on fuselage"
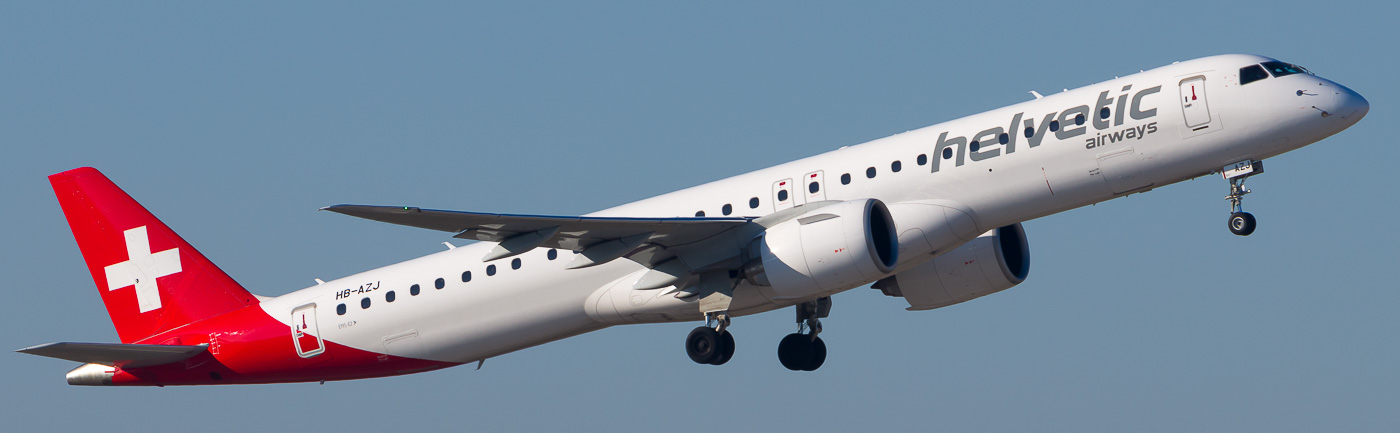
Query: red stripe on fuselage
(247, 346)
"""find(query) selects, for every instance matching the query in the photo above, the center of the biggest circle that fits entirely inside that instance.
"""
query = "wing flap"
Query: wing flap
(120, 355)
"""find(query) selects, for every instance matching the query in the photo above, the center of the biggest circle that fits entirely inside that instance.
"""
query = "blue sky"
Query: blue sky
(233, 123)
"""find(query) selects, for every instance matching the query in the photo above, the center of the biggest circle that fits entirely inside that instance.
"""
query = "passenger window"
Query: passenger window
(413, 290)
(466, 278)
(947, 153)
(973, 146)
(753, 203)
(699, 213)
(727, 209)
(896, 166)
(440, 283)
(515, 264)
(364, 303)
(782, 195)
(389, 296)
(870, 172)
(1079, 119)
(846, 179)
(1103, 113)
(1030, 132)
(1004, 138)
(490, 270)
(340, 310)
(922, 159)
(1252, 73)
(554, 254)
(812, 187)
(1054, 125)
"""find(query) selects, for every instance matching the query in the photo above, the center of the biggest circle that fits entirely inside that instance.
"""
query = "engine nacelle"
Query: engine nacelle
(995, 261)
(931, 226)
(824, 251)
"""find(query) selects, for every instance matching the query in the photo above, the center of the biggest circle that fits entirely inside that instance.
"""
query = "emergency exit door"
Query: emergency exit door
(816, 187)
(782, 195)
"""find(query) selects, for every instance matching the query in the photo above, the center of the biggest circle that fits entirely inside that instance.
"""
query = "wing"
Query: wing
(122, 355)
(598, 240)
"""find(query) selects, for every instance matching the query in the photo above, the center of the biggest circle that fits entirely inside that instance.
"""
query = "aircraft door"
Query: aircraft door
(782, 195)
(816, 186)
(305, 335)
(1193, 103)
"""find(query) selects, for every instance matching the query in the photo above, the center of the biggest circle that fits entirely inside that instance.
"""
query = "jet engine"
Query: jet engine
(824, 251)
(997, 260)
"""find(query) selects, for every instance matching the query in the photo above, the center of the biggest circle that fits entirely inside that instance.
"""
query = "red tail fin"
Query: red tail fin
(150, 279)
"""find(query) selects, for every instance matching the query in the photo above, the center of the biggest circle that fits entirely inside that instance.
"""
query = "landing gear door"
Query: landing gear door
(1193, 103)
(815, 187)
(782, 195)
(305, 335)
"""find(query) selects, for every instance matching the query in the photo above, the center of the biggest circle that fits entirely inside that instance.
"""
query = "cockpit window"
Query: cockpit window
(1252, 73)
(1280, 69)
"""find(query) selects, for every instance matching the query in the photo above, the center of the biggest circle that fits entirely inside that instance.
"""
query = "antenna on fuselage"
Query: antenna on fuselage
(1036, 94)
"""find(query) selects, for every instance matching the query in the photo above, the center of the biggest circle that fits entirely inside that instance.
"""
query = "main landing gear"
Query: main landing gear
(1241, 223)
(711, 344)
(806, 352)
(800, 351)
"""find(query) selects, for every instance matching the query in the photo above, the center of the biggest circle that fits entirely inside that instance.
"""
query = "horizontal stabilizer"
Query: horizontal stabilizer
(120, 355)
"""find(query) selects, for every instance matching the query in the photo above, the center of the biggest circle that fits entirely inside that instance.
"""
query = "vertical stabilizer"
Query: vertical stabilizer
(150, 279)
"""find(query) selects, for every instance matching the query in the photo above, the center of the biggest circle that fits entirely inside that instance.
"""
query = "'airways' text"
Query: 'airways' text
(1117, 136)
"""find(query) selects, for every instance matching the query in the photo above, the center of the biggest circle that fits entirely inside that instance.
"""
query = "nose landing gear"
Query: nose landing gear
(1241, 223)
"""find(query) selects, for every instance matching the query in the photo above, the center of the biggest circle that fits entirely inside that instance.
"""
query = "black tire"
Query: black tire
(1242, 223)
(703, 345)
(726, 348)
(818, 357)
(795, 351)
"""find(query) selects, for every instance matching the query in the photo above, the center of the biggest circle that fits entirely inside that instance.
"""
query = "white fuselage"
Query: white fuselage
(999, 183)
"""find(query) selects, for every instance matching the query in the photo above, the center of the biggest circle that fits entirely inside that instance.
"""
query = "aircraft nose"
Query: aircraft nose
(1352, 106)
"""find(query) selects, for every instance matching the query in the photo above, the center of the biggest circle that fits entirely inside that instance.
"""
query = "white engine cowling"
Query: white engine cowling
(824, 251)
(995, 261)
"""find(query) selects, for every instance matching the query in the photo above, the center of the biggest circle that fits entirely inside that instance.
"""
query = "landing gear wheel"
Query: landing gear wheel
(802, 352)
(818, 355)
(726, 348)
(1241, 223)
(794, 351)
(703, 345)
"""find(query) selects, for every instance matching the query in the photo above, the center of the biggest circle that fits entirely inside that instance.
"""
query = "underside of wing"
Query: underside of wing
(597, 239)
(121, 355)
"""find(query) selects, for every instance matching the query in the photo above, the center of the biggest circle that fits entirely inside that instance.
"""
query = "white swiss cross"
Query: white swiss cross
(141, 269)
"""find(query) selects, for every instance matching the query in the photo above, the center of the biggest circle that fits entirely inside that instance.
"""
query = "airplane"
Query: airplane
(931, 215)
